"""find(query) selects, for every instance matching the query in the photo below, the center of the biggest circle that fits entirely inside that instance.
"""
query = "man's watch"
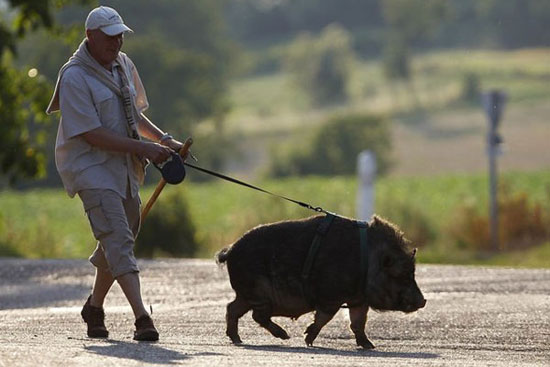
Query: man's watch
(165, 136)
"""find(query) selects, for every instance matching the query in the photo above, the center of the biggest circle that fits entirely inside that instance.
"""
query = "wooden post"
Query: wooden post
(493, 102)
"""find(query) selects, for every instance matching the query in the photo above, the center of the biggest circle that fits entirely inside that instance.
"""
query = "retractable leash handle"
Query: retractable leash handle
(160, 186)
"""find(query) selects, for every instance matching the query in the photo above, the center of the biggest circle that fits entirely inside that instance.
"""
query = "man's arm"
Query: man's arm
(149, 130)
(103, 138)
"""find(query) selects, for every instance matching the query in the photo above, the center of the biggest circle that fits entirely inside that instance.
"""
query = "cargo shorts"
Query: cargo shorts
(115, 224)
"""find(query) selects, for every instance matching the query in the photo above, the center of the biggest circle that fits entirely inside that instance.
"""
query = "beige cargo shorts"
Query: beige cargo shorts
(115, 224)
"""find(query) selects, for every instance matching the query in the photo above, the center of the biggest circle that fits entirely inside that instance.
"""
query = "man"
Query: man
(99, 156)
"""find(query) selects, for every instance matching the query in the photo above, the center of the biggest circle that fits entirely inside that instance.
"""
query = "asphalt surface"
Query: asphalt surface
(475, 316)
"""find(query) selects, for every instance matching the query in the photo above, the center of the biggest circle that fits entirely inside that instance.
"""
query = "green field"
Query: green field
(438, 149)
(46, 223)
(434, 130)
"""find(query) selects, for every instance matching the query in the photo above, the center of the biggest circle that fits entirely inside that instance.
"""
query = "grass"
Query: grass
(46, 223)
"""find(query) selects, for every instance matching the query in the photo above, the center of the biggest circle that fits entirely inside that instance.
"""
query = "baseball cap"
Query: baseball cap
(107, 20)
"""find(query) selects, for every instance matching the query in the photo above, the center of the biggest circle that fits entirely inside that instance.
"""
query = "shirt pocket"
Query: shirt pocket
(96, 215)
(102, 96)
(106, 104)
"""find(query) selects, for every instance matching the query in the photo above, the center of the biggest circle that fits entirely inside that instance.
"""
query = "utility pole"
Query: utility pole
(493, 102)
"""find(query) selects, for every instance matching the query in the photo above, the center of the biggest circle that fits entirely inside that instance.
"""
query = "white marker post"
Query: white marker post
(366, 171)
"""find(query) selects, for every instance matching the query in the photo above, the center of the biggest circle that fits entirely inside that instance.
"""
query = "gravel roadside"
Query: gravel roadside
(475, 316)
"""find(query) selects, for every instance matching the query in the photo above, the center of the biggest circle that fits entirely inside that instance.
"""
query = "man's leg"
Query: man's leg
(102, 283)
(92, 312)
(115, 223)
(130, 285)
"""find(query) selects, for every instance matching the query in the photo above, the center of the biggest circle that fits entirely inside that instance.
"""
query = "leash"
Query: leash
(317, 209)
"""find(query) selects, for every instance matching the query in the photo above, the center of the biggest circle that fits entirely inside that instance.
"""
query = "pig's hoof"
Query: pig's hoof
(309, 339)
(282, 335)
(236, 340)
(366, 344)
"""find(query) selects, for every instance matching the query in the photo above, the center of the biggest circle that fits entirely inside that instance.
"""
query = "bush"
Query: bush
(413, 222)
(471, 88)
(168, 229)
(333, 148)
(521, 224)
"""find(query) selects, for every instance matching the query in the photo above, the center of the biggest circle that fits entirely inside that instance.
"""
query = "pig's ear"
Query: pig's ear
(414, 253)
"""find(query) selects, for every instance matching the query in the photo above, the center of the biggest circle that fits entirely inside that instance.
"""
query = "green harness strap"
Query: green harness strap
(316, 244)
(363, 243)
(313, 249)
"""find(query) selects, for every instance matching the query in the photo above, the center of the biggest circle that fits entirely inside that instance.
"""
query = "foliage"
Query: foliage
(333, 148)
(253, 21)
(471, 88)
(48, 222)
(397, 60)
(467, 23)
(184, 57)
(23, 96)
(168, 229)
(405, 29)
(21, 131)
(212, 150)
(322, 66)
(522, 223)
(413, 222)
(176, 106)
(501, 20)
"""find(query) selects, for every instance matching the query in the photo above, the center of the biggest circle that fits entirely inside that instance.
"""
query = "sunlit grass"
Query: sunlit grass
(46, 223)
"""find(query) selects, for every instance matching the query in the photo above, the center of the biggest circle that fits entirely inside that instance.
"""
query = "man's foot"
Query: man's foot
(94, 317)
(145, 329)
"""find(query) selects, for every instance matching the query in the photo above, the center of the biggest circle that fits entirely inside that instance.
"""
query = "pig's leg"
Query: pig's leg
(235, 310)
(262, 315)
(321, 319)
(358, 317)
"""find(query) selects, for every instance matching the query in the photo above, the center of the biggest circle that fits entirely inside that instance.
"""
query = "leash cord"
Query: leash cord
(234, 180)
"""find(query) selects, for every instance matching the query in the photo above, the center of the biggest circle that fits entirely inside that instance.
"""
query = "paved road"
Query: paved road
(474, 317)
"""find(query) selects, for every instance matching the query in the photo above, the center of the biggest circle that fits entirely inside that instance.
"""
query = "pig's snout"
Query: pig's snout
(422, 303)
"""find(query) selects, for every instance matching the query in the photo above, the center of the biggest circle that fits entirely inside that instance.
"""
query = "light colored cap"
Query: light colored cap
(107, 20)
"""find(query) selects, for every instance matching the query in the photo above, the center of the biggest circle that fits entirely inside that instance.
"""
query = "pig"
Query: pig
(265, 269)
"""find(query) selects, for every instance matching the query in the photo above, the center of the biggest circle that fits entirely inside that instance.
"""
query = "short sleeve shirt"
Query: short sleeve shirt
(86, 104)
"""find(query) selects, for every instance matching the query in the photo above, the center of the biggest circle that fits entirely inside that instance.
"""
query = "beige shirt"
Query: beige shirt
(87, 104)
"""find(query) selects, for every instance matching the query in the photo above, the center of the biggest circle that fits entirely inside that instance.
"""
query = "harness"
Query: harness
(321, 231)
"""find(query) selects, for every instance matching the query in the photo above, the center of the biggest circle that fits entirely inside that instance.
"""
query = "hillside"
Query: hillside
(435, 130)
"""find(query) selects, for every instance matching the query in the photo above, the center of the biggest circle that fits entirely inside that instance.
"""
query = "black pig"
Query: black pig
(266, 271)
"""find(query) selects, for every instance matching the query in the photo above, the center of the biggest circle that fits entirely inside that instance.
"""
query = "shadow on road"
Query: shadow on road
(336, 352)
(143, 352)
(42, 295)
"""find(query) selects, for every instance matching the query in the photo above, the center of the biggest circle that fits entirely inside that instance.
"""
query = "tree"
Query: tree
(332, 149)
(409, 21)
(184, 57)
(322, 66)
(23, 94)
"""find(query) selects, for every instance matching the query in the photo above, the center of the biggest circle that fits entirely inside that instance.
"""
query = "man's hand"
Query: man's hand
(155, 152)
